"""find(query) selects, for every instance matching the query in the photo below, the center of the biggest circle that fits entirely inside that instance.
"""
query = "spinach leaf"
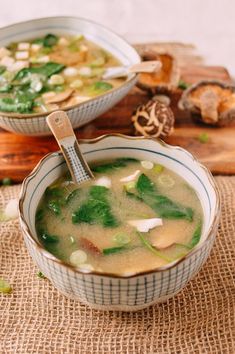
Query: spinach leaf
(47, 70)
(133, 196)
(48, 41)
(23, 93)
(96, 210)
(47, 238)
(72, 195)
(39, 215)
(154, 250)
(54, 192)
(54, 206)
(8, 104)
(99, 87)
(162, 205)
(5, 88)
(2, 69)
(38, 41)
(196, 235)
(145, 185)
(115, 165)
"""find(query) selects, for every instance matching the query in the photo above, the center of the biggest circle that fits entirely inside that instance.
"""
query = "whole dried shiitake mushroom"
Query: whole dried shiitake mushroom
(165, 79)
(211, 102)
(153, 119)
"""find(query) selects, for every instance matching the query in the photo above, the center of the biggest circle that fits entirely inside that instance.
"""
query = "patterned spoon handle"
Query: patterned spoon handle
(62, 130)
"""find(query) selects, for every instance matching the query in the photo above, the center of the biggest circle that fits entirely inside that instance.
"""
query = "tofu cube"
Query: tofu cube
(63, 41)
(7, 61)
(4, 52)
(18, 65)
(43, 59)
(23, 46)
(36, 47)
(22, 55)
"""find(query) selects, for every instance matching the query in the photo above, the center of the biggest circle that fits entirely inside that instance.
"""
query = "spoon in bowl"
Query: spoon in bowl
(151, 66)
(62, 130)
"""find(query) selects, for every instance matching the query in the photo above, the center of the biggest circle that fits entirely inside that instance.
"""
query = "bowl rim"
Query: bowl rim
(132, 77)
(168, 266)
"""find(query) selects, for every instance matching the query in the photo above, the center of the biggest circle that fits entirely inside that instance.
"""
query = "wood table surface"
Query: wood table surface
(19, 154)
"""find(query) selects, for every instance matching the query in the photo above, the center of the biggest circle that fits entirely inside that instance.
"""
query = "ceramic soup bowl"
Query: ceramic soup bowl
(82, 113)
(135, 291)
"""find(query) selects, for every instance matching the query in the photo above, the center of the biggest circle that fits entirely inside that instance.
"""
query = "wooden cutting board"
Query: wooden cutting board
(19, 154)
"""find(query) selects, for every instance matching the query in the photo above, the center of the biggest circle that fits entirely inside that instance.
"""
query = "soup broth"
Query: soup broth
(135, 216)
(52, 72)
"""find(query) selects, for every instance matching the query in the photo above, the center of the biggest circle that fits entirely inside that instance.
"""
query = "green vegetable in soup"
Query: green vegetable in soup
(158, 168)
(115, 165)
(121, 238)
(72, 195)
(47, 238)
(99, 87)
(154, 250)
(39, 215)
(162, 205)
(113, 250)
(48, 41)
(2, 69)
(96, 210)
(54, 207)
(98, 62)
(196, 235)
(47, 70)
(8, 104)
(5, 88)
(54, 192)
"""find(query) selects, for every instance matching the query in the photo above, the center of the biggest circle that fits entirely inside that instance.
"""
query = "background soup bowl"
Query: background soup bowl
(134, 291)
(80, 114)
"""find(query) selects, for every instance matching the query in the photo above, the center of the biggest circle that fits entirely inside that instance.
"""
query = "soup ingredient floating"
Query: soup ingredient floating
(53, 72)
(129, 218)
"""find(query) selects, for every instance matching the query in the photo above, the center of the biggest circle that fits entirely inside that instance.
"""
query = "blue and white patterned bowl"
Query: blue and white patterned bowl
(135, 291)
(82, 113)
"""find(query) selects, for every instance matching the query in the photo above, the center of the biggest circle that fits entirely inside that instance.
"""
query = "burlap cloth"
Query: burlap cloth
(35, 318)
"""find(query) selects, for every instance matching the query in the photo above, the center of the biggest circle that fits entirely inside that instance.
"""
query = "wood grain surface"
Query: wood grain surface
(20, 154)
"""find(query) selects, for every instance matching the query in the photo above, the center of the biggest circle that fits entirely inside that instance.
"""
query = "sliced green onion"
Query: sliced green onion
(166, 181)
(41, 275)
(121, 239)
(112, 250)
(130, 185)
(158, 168)
(5, 287)
(203, 138)
(6, 181)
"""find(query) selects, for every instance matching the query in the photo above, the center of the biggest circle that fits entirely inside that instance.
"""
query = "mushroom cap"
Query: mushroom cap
(166, 79)
(153, 119)
(210, 96)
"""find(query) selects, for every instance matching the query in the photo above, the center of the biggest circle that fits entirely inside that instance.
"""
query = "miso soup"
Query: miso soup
(135, 216)
(53, 72)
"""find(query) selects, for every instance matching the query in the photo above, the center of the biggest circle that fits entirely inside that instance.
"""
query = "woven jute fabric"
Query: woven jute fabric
(35, 318)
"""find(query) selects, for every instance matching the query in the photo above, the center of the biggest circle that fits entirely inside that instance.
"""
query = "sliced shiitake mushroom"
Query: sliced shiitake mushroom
(165, 79)
(58, 97)
(211, 102)
(67, 57)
